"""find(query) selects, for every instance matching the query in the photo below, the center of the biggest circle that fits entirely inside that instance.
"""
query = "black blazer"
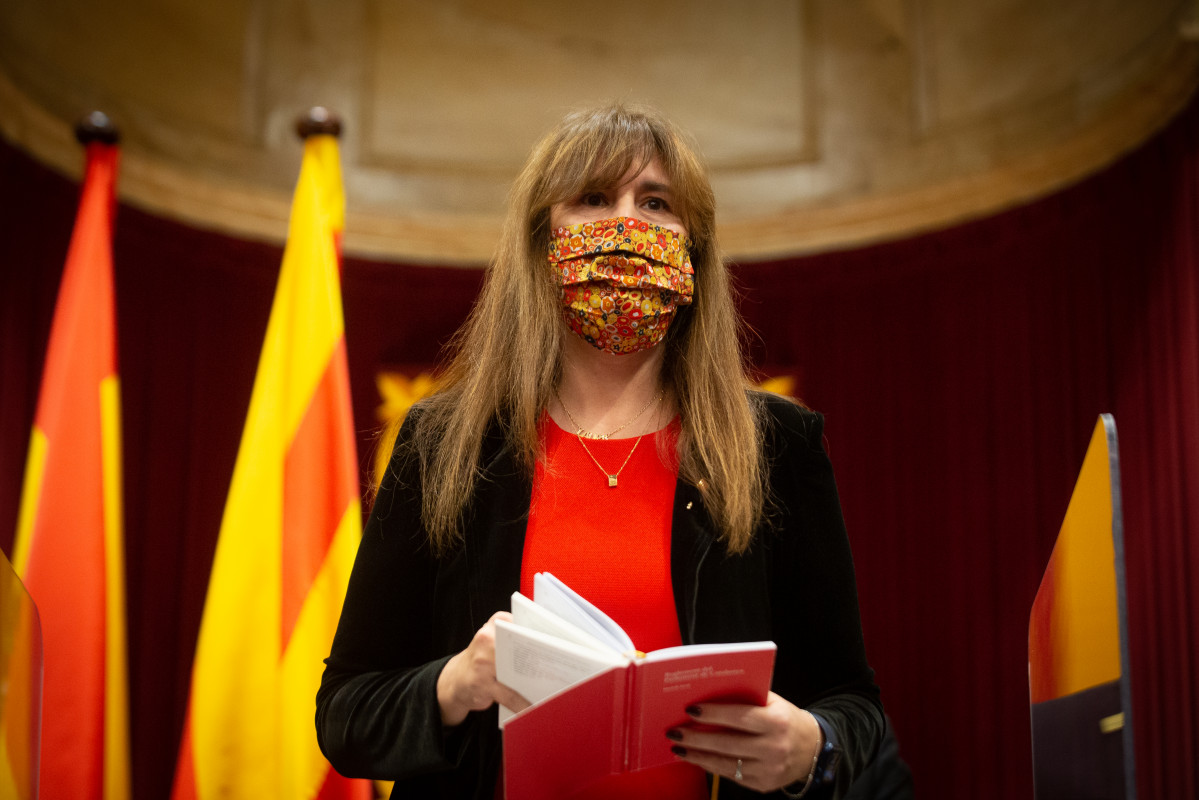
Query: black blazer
(407, 612)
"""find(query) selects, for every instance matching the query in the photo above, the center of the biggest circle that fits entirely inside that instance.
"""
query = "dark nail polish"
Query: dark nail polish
(679, 751)
(693, 710)
(675, 733)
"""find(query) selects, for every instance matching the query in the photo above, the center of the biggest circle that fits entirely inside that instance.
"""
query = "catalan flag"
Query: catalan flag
(290, 530)
(69, 547)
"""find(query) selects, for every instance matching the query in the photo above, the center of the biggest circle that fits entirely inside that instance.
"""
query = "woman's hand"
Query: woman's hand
(467, 682)
(775, 743)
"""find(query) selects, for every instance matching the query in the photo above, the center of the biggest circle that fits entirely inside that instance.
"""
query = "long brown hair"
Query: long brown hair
(506, 359)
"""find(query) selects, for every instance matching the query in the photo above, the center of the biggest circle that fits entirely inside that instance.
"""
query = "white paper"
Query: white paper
(536, 665)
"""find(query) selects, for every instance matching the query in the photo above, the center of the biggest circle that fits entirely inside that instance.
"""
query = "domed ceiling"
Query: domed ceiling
(826, 123)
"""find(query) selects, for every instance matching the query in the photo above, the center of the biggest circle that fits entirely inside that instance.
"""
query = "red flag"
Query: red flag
(70, 542)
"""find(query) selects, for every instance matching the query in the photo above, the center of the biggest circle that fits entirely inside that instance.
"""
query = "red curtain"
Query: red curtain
(961, 373)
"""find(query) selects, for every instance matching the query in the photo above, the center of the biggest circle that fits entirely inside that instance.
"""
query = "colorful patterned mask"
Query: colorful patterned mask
(622, 280)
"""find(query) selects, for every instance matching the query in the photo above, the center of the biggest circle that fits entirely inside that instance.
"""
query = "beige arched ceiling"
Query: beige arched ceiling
(827, 123)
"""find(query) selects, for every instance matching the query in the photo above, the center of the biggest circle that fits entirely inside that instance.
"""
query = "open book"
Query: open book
(599, 705)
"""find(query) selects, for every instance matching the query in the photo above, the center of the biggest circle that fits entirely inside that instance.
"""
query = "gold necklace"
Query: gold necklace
(612, 476)
(581, 432)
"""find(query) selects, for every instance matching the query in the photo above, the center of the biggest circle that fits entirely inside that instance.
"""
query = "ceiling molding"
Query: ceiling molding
(828, 125)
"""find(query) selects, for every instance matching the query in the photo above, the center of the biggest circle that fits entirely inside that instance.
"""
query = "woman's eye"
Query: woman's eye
(593, 199)
(656, 204)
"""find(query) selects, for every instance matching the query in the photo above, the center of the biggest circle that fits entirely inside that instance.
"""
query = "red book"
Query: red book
(599, 706)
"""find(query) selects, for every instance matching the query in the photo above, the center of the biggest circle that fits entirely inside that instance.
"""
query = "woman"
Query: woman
(596, 422)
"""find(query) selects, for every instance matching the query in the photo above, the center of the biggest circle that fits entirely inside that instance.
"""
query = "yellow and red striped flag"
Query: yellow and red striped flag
(69, 547)
(288, 536)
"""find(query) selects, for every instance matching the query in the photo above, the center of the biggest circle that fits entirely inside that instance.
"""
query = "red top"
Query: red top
(612, 546)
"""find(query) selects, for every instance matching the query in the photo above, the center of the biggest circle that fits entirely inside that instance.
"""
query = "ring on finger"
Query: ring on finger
(737, 775)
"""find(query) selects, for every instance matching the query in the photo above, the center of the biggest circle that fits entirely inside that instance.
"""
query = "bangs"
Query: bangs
(596, 153)
(594, 149)
(611, 158)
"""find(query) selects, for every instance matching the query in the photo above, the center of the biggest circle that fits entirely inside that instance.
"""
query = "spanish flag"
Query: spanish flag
(69, 548)
(290, 530)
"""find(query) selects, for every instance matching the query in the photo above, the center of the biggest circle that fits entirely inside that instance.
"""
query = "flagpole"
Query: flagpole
(318, 120)
(95, 126)
(96, 129)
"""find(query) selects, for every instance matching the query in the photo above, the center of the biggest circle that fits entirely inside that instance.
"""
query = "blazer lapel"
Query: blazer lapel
(691, 540)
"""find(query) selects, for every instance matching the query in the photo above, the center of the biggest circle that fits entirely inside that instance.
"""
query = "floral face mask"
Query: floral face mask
(622, 280)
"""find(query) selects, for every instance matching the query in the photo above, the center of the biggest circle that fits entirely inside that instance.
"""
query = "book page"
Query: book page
(537, 665)
(687, 650)
(559, 598)
(528, 614)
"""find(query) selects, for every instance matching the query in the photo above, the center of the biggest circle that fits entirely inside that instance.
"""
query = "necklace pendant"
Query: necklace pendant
(611, 481)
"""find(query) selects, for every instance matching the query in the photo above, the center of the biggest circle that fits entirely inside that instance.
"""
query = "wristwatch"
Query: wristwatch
(824, 772)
